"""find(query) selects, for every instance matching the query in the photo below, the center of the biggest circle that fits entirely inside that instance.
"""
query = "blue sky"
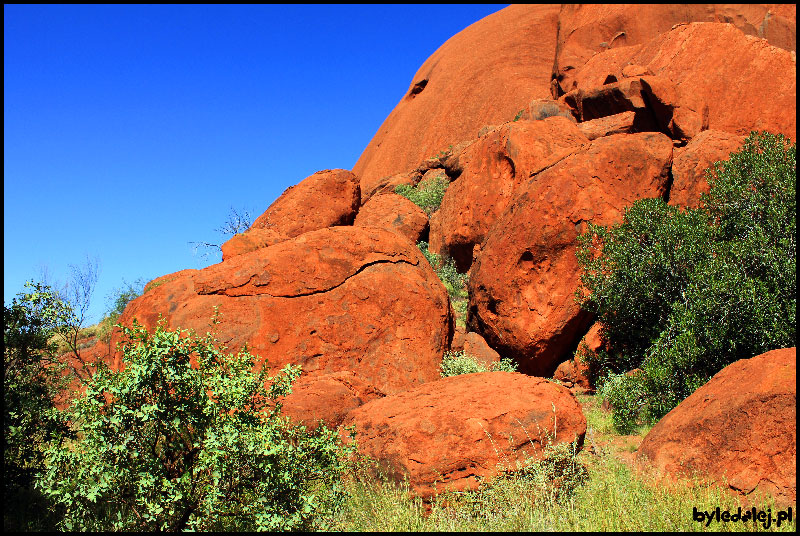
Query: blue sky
(130, 131)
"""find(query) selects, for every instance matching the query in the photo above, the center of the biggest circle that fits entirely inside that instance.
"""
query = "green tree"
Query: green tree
(32, 381)
(683, 293)
(186, 437)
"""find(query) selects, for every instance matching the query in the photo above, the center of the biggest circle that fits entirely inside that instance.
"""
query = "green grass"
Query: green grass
(613, 497)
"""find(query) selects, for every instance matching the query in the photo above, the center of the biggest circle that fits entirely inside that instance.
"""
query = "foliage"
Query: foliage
(427, 195)
(119, 299)
(32, 381)
(165, 445)
(683, 293)
(459, 362)
(519, 115)
(445, 268)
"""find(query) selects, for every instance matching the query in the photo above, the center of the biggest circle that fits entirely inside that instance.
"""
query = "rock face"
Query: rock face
(522, 285)
(336, 299)
(691, 162)
(447, 434)
(396, 213)
(700, 59)
(481, 76)
(740, 428)
(325, 199)
(491, 170)
(585, 30)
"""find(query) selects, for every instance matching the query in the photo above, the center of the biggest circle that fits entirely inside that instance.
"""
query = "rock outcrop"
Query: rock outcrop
(522, 285)
(452, 433)
(739, 429)
(395, 213)
(481, 76)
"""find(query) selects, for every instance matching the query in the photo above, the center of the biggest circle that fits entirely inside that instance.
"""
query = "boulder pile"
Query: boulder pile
(543, 119)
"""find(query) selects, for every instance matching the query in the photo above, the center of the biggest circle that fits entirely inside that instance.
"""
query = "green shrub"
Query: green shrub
(683, 293)
(164, 445)
(427, 195)
(458, 362)
(445, 268)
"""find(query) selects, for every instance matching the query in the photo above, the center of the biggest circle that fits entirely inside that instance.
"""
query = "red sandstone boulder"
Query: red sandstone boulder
(739, 429)
(585, 30)
(476, 346)
(327, 398)
(523, 282)
(483, 75)
(701, 60)
(325, 199)
(337, 299)
(621, 123)
(691, 162)
(394, 213)
(449, 434)
(575, 371)
(492, 169)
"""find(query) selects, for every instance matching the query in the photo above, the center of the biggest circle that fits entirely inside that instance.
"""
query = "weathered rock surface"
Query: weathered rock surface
(522, 284)
(491, 170)
(575, 371)
(336, 299)
(476, 346)
(691, 162)
(621, 123)
(481, 76)
(701, 60)
(394, 213)
(327, 398)
(740, 428)
(325, 199)
(588, 29)
(448, 434)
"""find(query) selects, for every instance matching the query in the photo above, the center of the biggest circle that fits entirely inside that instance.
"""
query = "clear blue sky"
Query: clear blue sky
(130, 131)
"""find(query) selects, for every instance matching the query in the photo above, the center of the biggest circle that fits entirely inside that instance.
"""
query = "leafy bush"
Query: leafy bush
(458, 362)
(427, 195)
(164, 445)
(32, 381)
(682, 294)
(445, 268)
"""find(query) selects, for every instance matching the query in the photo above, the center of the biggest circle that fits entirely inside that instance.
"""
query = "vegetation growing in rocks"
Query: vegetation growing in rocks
(460, 362)
(454, 282)
(164, 445)
(428, 194)
(683, 293)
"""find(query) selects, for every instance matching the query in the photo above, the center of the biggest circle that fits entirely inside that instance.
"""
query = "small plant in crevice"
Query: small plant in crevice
(455, 363)
(428, 194)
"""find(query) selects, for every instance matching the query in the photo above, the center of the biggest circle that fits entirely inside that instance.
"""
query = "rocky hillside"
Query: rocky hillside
(542, 119)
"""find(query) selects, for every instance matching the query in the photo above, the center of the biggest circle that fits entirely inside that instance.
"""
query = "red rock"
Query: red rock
(336, 299)
(476, 346)
(522, 284)
(738, 429)
(576, 370)
(585, 30)
(492, 169)
(700, 60)
(327, 398)
(445, 435)
(325, 199)
(394, 213)
(621, 123)
(539, 109)
(692, 161)
(483, 75)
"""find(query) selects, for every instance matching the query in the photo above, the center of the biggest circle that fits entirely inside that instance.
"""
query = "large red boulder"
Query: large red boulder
(394, 213)
(481, 76)
(701, 60)
(491, 170)
(449, 434)
(325, 199)
(522, 284)
(739, 429)
(338, 299)
(585, 30)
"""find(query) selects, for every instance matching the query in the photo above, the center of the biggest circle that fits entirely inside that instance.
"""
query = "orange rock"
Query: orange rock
(325, 199)
(448, 434)
(691, 162)
(523, 282)
(336, 299)
(394, 213)
(701, 60)
(492, 169)
(621, 123)
(576, 370)
(585, 30)
(739, 429)
(483, 75)
(476, 346)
